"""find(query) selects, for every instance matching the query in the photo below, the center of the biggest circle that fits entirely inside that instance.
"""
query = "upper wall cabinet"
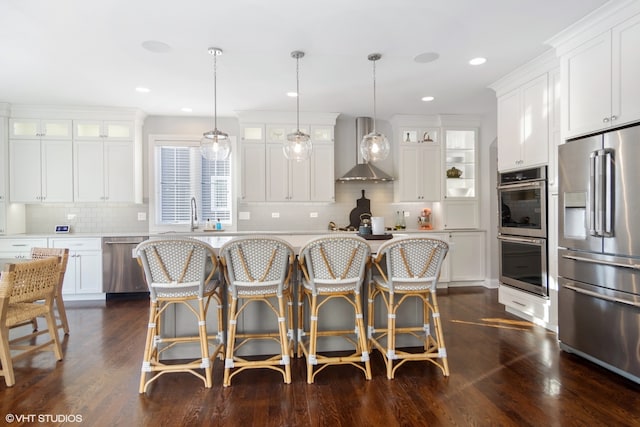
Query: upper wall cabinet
(266, 175)
(523, 125)
(39, 128)
(601, 88)
(460, 163)
(100, 129)
(41, 159)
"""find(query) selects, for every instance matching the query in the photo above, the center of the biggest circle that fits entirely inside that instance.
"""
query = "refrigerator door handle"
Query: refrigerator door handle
(600, 262)
(607, 196)
(600, 296)
(592, 193)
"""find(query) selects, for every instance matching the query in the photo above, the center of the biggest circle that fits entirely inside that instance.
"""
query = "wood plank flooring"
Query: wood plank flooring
(504, 372)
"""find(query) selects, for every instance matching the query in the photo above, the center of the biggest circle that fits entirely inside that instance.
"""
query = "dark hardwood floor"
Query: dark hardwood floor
(504, 372)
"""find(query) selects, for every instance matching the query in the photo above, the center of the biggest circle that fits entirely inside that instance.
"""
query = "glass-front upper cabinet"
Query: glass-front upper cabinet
(252, 133)
(460, 158)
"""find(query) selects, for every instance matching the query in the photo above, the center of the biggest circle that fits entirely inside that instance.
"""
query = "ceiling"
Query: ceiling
(78, 52)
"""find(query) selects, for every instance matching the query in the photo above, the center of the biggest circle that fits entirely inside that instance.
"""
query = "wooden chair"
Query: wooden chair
(408, 268)
(23, 287)
(258, 270)
(334, 267)
(180, 272)
(63, 256)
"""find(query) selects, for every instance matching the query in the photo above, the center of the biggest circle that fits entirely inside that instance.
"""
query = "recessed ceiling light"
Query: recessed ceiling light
(478, 61)
(292, 94)
(425, 57)
(186, 109)
(156, 46)
(427, 98)
(142, 89)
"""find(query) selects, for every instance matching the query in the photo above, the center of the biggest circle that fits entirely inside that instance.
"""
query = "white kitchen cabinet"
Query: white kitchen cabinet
(460, 214)
(18, 247)
(39, 129)
(445, 268)
(323, 182)
(286, 180)
(601, 87)
(104, 170)
(100, 129)
(252, 133)
(523, 125)
(467, 256)
(253, 172)
(84, 268)
(460, 163)
(419, 173)
(3, 217)
(40, 170)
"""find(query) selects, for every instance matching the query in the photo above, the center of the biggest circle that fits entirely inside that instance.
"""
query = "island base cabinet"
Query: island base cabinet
(179, 321)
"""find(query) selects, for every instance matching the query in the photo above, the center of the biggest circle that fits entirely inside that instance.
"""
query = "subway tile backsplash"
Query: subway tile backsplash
(123, 218)
(87, 218)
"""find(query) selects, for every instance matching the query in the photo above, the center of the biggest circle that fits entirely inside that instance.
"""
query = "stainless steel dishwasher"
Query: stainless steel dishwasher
(121, 273)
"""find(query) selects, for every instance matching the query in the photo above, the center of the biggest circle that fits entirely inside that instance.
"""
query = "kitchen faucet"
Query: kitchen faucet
(194, 214)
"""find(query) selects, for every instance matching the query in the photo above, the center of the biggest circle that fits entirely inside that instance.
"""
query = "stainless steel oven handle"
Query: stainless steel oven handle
(520, 239)
(600, 262)
(600, 296)
(528, 184)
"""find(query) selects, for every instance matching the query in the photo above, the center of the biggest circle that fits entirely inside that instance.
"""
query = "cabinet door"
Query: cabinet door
(277, 177)
(460, 214)
(535, 120)
(626, 69)
(118, 171)
(89, 171)
(120, 130)
(323, 182)
(587, 92)
(429, 174)
(510, 130)
(88, 272)
(25, 180)
(299, 180)
(409, 185)
(57, 170)
(467, 256)
(30, 128)
(252, 133)
(445, 268)
(3, 218)
(253, 172)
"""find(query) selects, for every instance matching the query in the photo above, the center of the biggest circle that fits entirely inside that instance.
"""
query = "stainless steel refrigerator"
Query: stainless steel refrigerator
(599, 249)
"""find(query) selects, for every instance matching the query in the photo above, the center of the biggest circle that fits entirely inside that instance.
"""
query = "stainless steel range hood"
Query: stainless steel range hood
(364, 171)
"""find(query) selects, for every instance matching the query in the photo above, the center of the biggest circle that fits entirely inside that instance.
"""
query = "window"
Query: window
(182, 173)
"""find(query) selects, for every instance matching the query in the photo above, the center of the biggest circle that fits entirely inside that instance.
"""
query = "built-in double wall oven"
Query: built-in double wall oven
(522, 233)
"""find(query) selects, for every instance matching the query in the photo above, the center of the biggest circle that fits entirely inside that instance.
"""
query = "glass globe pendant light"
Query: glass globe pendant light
(215, 144)
(374, 146)
(298, 144)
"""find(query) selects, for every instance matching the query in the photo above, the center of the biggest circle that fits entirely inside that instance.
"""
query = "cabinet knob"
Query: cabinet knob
(605, 120)
(614, 118)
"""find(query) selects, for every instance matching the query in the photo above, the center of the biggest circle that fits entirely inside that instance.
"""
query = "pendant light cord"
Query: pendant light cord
(374, 96)
(298, 92)
(215, 98)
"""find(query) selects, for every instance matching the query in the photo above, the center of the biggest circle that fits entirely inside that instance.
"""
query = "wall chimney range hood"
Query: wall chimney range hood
(364, 171)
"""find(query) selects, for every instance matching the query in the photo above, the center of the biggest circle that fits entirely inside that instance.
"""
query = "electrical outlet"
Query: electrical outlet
(407, 214)
(142, 216)
(275, 214)
(313, 214)
(244, 216)
(71, 217)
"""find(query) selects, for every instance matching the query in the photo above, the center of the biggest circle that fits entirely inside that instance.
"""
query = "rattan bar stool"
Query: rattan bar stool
(334, 267)
(180, 272)
(407, 268)
(27, 291)
(258, 269)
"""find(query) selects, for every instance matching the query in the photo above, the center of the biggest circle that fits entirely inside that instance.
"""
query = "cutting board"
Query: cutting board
(363, 206)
